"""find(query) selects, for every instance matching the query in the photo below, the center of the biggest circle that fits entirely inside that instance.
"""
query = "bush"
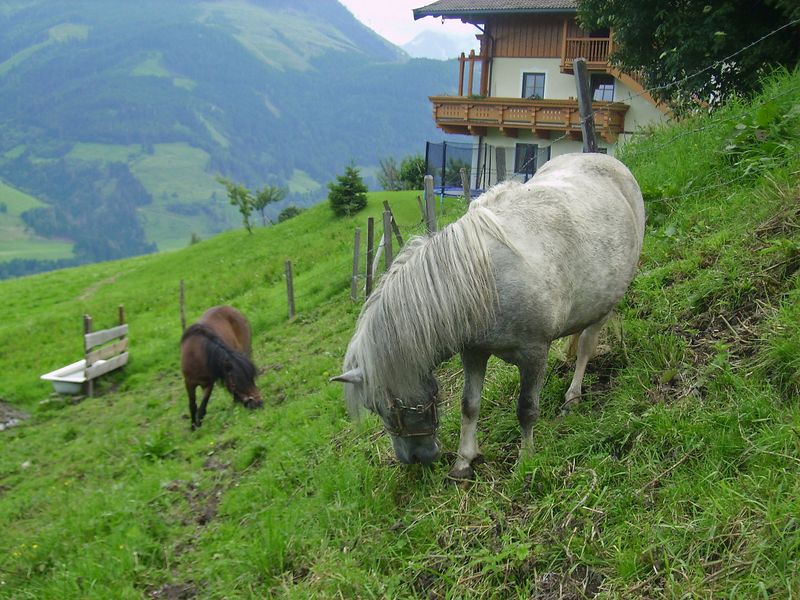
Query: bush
(412, 172)
(349, 194)
(289, 212)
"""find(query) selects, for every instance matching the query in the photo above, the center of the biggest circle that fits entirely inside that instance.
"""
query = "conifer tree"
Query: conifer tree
(349, 194)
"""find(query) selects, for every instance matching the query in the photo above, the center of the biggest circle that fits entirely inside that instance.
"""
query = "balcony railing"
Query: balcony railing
(594, 50)
(473, 116)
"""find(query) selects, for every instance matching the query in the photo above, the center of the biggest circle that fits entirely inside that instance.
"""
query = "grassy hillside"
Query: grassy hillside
(677, 476)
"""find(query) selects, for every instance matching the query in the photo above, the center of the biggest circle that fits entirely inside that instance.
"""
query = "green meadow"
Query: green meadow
(15, 240)
(677, 476)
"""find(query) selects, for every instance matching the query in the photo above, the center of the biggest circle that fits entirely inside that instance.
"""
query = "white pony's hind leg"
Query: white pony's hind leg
(586, 347)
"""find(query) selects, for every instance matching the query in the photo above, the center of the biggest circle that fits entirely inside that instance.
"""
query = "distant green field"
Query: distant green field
(16, 201)
(176, 172)
(170, 231)
(172, 174)
(152, 66)
(104, 152)
(35, 248)
(15, 241)
(301, 182)
(60, 33)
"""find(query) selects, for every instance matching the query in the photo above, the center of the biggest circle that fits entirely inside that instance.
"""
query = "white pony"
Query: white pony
(526, 265)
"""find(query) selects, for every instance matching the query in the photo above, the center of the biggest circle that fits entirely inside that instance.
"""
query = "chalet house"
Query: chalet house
(517, 96)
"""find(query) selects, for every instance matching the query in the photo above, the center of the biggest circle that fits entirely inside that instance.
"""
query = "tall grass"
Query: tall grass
(678, 475)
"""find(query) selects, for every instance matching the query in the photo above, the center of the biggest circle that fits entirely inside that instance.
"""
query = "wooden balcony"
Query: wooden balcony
(594, 50)
(475, 116)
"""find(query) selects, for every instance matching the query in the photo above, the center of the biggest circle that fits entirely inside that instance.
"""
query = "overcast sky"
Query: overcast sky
(394, 20)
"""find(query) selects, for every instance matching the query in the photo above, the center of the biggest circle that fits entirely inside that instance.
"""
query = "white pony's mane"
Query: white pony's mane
(438, 292)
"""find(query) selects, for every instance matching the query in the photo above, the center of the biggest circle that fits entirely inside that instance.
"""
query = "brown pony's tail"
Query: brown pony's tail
(223, 361)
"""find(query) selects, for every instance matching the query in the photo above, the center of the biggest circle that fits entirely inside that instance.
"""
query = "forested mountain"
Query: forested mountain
(116, 116)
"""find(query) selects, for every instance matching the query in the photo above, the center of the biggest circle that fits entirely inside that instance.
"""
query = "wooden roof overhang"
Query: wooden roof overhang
(476, 11)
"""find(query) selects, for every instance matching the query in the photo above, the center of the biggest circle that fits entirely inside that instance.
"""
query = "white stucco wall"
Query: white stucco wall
(507, 77)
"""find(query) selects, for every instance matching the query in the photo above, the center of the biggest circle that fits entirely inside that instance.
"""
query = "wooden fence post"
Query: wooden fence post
(183, 308)
(87, 328)
(585, 105)
(395, 228)
(500, 161)
(421, 209)
(370, 253)
(354, 280)
(465, 184)
(430, 205)
(387, 239)
(290, 288)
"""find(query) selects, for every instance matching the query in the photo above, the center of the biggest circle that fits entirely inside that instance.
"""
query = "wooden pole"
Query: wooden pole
(87, 328)
(354, 280)
(387, 239)
(461, 60)
(290, 288)
(121, 310)
(465, 184)
(370, 253)
(430, 205)
(421, 208)
(585, 105)
(500, 161)
(183, 308)
(395, 228)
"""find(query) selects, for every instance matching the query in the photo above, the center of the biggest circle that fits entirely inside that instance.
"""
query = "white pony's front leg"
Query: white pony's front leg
(474, 371)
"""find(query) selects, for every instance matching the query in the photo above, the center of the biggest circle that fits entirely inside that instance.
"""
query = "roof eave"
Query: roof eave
(465, 15)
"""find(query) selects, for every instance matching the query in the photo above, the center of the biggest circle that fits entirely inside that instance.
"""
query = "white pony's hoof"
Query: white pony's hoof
(462, 474)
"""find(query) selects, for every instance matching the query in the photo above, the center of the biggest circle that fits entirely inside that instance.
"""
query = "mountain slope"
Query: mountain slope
(93, 92)
(440, 45)
(678, 475)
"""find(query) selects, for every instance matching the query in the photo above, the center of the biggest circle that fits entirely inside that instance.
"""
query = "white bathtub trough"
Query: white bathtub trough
(69, 379)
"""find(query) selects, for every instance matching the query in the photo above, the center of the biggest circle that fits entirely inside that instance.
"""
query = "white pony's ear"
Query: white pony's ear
(352, 376)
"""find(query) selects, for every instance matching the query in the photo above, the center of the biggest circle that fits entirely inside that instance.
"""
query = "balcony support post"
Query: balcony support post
(486, 54)
(471, 71)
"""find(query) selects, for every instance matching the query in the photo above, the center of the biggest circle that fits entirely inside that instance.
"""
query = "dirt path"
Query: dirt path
(10, 416)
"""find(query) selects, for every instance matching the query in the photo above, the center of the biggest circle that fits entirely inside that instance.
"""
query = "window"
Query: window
(533, 86)
(602, 88)
(525, 156)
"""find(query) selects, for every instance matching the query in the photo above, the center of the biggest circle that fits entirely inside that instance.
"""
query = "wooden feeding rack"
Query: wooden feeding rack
(104, 350)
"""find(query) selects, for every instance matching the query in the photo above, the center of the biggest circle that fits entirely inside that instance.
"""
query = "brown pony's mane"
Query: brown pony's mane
(224, 363)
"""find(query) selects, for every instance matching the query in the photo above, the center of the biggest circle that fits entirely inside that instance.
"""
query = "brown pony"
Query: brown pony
(217, 347)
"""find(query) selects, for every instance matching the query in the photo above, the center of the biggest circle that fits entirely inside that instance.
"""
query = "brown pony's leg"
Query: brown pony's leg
(191, 390)
(206, 395)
